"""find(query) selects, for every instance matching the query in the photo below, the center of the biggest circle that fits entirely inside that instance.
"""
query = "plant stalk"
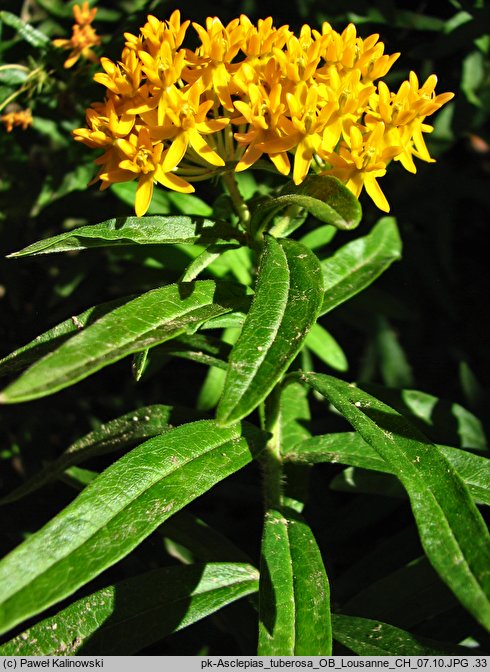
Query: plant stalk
(239, 204)
(272, 465)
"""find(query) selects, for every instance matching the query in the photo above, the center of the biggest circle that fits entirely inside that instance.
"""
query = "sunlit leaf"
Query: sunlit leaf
(294, 590)
(287, 298)
(152, 318)
(356, 265)
(130, 615)
(115, 513)
(452, 531)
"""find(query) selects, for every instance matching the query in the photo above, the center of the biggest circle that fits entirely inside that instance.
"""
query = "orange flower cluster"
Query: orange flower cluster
(83, 36)
(248, 92)
(21, 118)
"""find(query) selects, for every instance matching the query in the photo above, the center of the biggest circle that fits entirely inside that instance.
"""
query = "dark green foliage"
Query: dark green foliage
(183, 454)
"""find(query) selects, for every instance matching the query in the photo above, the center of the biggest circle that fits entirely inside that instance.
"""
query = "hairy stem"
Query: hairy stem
(272, 465)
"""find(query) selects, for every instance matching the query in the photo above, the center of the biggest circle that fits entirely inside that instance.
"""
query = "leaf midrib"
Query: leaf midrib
(367, 260)
(112, 516)
(100, 361)
(435, 502)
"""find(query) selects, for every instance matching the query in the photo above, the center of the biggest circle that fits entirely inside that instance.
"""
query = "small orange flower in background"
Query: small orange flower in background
(249, 93)
(83, 36)
(22, 118)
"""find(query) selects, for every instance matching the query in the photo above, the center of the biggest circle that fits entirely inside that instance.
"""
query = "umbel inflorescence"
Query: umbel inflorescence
(248, 93)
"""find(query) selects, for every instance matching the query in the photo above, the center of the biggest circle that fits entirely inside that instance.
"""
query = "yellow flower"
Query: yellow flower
(211, 62)
(123, 78)
(266, 116)
(249, 92)
(182, 119)
(361, 160)
(105, 126)
(84, 15)
(140, 158)
(403, 114)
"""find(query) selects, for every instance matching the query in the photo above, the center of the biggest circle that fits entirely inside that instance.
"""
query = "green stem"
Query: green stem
(14, 66)
(12, 97)
(271, 460)
(239, 204)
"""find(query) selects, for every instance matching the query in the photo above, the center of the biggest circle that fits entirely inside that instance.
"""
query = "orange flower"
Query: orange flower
(83, 37)
(84, 15)
(248, 93)
(21, 118)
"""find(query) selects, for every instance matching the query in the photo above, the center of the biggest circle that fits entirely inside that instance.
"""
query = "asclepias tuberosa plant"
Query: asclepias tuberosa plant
(313, 109)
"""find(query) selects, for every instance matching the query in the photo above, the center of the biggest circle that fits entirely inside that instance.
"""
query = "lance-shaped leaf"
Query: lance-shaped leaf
(202, 541)
(325, 197)
(117, 434)
(152, 318)
(124, 618)
(367, 637)
(326, 348)
(294, 592)
(115, 513)
(452, 531)
(357, 264)
(288, 296)
(350, 448)
(24, 30)
(49, 340)
(153, 230)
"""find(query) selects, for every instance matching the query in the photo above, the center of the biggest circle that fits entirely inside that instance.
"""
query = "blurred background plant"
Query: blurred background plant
(421, 326)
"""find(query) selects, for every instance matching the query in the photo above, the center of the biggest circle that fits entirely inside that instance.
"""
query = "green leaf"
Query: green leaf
(46, 342)
(325, 197)
(198, 348)
(117, 434)
(295, 416)
(294, 591)
(188, 204)
(406, 596)
(350, 448)
(367, 637)
(360, 481)
(78, 478)
(115, 513)
(140, 363)
(126, 192)
(319, 237)
(55, 187)
(129, 616)
(152, 318)
(356, 265)
(136, 231)
(287, 299)
(163, 201)
(201, 262)
(473, 77)
(294, 419)
(452, 531)
(13, 75)
(212, 389)
(233, 320)
(34, 37)
(326, 348)
(204, 542)
(441, 420)
(394, 366)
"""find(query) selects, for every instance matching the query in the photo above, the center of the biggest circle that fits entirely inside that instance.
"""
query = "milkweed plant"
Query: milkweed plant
(313, 114)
